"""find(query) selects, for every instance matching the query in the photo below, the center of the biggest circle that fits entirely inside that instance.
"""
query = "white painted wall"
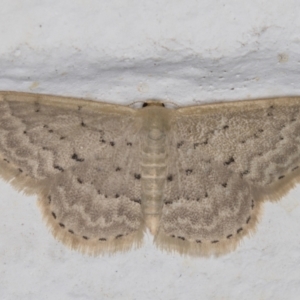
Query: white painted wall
(120, 51)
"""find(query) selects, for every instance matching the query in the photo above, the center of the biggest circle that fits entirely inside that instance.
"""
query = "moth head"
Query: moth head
(153, 103)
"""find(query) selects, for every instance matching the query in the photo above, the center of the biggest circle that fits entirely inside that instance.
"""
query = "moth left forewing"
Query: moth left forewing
(80, 158)
(54, 131)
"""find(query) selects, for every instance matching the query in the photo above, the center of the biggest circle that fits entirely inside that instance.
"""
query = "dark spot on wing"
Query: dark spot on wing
(168, 202)
(180, 144)
(188, 172)
(137, 201)
(59, 168)
(75, 157)
(245, 172)
(229, 161)
(170, 177)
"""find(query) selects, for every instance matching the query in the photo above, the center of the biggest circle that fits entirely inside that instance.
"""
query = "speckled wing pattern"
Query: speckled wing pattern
(103, 173)
(80, 163)
(229, 157)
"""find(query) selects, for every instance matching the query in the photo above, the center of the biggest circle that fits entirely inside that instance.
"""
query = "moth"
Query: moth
(196, 176)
